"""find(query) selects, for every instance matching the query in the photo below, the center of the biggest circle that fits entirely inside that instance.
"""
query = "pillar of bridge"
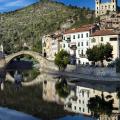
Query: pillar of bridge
(2, 68)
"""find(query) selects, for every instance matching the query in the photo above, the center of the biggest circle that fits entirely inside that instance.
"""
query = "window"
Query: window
(64, 46)
(113, 39)
(80, 108)
(44, 44)
(82, 55)
(101, 38)
(78, 35)
(81, 35)
(113, 6)
(86, 34)
(88, 110)
(73, 36)
(79, 101)
(68, 39)
(68, 45)
(45, 82)
(83, 110)
(82, 91)
(78, 43)
(93, 40)
(64, 38)
(83, 101)
(88, 94)
(86, 43)
(74, 107)
(81, 43)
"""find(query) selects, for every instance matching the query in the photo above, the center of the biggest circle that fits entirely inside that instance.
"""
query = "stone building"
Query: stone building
(110, 21)
(49, 92)
(51, 45)
(104, 8)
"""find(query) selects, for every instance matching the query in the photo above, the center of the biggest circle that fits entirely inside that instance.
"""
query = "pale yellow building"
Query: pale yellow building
(104, 37)
(51, 45)
(103, 8)
(49, 92)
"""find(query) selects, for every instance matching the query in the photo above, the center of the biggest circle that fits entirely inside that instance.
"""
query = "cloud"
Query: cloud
(10, 5)
(17, 3)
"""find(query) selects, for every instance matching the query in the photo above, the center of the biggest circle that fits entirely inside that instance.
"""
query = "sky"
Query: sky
(10, 5)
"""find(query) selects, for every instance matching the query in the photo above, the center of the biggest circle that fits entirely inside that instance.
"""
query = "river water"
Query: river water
(82, 90)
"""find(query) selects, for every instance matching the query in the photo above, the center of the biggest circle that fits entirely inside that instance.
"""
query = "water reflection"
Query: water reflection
(80, 92)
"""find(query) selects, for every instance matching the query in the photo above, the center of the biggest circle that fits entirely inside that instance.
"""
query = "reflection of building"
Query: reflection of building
(51, 45)
(103, 8)
(49, 92)
(78, 38)
(106, 36)
(78, 101)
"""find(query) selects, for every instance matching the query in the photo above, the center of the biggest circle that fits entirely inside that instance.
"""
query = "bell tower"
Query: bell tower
(114, 5)
(97, 7)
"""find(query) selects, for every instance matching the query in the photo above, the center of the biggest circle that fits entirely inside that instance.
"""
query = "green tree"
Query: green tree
(100, 106)
(108, 52)
(37, 46)
(62, 88)
(62, 59)
(100, 53)
(92, 54)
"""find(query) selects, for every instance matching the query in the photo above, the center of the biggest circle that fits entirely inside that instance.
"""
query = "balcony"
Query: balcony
(82, 56)
(68, 40)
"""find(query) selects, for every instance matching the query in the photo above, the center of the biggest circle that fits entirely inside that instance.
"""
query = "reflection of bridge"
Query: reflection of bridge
(44, 63)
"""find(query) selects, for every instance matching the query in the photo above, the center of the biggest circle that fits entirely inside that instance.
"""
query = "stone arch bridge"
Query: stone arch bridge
(44, 63)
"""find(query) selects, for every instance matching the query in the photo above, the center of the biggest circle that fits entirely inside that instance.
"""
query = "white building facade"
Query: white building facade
(78, 102)
(104, 37)
(76, 42)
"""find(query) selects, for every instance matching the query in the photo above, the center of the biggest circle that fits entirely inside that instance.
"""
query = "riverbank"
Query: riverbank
(29, 100)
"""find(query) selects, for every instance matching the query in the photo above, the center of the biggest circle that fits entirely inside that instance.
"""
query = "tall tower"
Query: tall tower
(97, 7)
(114, 5)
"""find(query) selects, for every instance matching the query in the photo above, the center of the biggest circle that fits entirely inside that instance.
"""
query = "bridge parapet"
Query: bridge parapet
(44, 63)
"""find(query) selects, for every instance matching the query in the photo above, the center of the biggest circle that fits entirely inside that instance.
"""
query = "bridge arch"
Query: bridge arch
(44, 63)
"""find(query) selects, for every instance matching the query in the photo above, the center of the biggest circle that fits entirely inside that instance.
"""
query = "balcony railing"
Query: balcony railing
(82, 55)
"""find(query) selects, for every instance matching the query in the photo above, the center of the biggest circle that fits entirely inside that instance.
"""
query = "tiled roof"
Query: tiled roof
(104, 33)
(80, 29)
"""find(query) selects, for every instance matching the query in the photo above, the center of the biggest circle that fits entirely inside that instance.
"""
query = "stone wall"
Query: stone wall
(95, 71)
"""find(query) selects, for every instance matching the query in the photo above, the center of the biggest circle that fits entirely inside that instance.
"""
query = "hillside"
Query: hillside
(26, 26)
